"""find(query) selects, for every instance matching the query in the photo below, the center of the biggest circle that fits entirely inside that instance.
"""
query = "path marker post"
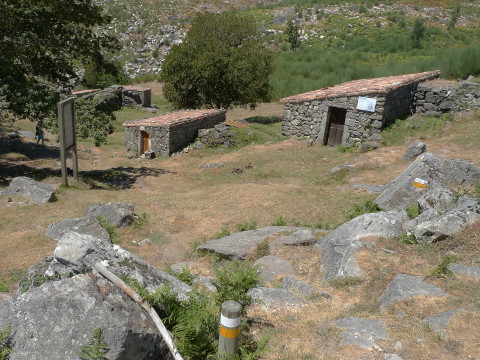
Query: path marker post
(229, 328)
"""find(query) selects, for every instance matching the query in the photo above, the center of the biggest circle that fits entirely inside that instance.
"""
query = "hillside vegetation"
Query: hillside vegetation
(339, 40)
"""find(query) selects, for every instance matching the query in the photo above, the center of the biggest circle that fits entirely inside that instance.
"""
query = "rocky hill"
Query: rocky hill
(148, 29)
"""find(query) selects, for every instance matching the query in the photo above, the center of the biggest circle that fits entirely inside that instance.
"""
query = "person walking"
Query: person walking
(40, 134)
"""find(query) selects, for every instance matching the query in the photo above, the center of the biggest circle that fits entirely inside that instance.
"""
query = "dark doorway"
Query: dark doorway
(336, 125)
(145, 141)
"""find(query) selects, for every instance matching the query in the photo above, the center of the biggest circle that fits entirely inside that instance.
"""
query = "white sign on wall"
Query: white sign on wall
(366, 104)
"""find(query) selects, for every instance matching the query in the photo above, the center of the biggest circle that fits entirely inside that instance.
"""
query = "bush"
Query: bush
(194, 322)
(249, 225)
(442, 269)
(363, 208)
(109, 228)
(413, 210)
(407, 239)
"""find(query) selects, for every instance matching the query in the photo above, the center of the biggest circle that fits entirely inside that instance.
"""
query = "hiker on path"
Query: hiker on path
(40, 134)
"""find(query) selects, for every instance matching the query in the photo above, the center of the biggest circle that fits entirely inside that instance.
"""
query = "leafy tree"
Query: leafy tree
(97, 348)
(41, 43)
(103, 75)
(222, 63)
(454, 18)
(90, 120)
(291, 33)
(418, 33)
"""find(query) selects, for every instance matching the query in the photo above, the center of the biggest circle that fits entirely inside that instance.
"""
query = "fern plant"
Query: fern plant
(5, 343)
(97, 348)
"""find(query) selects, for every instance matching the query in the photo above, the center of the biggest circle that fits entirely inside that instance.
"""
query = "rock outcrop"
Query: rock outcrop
(35, 191)
(54, 320)
(436, 171)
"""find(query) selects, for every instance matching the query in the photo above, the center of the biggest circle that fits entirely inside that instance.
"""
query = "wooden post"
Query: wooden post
(140, 301)
(229, 328)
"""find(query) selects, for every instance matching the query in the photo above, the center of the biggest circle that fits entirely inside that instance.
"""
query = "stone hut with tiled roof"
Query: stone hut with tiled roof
(354, 111)
(168, 133)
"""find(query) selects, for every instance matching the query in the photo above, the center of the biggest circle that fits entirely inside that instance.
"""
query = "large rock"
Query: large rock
(117, 214)
(470, 271)
(338, 248)
(36, 191)
(362, 332)
(441, 227)
(300, 237)
(109, 100)
(414, 150)
(83, 225)
(303, 290)
(77, 253)
(440, 322)
(272, 268)
(239, 245)
(54, 320)
(275, 298)
(431, 168)
(405, 286)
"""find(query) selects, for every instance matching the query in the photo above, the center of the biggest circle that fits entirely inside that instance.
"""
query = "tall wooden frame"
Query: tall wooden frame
(68, 136)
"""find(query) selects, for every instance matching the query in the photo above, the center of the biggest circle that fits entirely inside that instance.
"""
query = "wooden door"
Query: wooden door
(336, 126)
(145, 141)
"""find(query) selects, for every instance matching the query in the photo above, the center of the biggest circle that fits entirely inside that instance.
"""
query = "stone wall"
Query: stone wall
(167, 139)
(219, 135)
(310, 118)
(435, 98)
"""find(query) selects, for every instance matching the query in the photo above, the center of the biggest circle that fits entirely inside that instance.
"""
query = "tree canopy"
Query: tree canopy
(221, 63)
(43, 41)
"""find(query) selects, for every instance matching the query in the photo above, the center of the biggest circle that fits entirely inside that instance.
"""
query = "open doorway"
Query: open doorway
(145, 144)
(336, 126)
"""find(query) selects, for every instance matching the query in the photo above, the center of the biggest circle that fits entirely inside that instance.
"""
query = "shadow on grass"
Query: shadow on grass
(118, 177)
(122, 177)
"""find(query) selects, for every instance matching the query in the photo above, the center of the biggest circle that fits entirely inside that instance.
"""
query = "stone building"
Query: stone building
(168, 133)
(354, 111)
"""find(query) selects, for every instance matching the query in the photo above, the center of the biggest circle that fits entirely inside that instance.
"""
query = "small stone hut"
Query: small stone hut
(168, 133)
(352, 112)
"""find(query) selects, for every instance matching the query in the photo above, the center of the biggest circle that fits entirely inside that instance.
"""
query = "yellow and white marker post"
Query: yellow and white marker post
(229, 328)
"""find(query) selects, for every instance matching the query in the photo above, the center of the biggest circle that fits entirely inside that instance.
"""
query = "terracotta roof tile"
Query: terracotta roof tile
(174, 118)
(381, 85)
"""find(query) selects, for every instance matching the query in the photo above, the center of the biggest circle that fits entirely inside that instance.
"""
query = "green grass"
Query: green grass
(365, 207)
(441, 270)
(415, 127)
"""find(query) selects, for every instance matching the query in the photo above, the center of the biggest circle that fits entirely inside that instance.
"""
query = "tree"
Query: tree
(222, 63)
(454, 18)
(417, 33)
(41, 43)
(291, 33)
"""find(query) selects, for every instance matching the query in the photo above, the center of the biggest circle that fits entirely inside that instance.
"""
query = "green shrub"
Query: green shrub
(249, 225)
(279, 221)
(109, 228)
(347, 148)
(442, 269)
(140, 221)
(5, 342)
(97, 348)
(407, 239)
(262, 249)
(222, 233)
(194, 322)
(413, 210)
(366, 207)
(233, 280)
(183, 275)
(3, 285)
